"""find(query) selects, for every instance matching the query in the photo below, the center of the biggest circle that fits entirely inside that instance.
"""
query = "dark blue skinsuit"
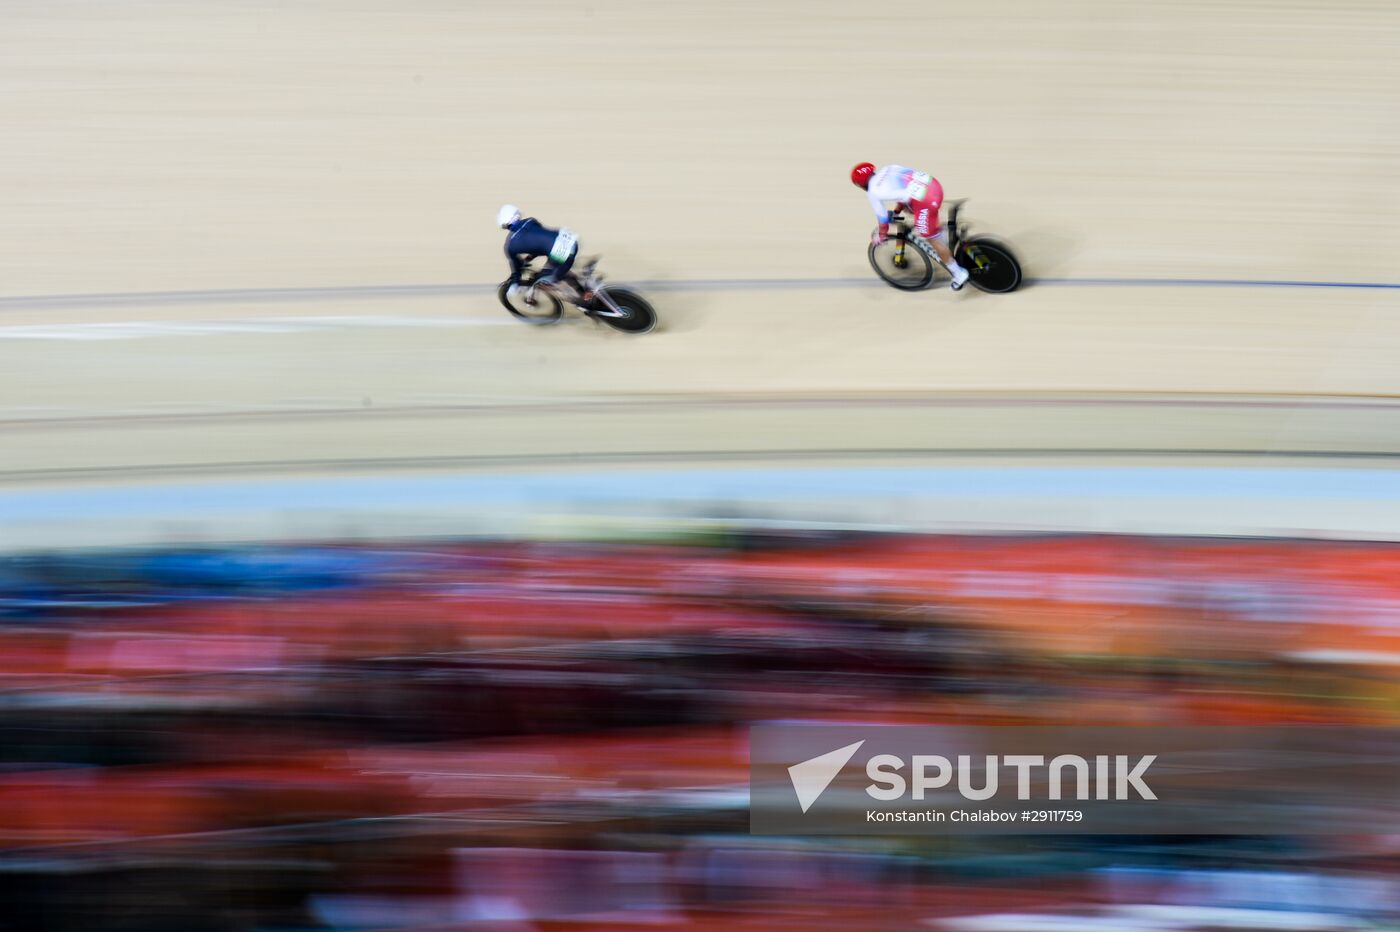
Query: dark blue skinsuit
(529, 238)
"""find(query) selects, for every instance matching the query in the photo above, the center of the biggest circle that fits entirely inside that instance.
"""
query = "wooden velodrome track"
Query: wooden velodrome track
(258, 235)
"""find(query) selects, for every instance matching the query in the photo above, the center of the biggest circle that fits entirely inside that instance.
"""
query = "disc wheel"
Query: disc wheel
(901, 264)
(638, 316)
(990, 265)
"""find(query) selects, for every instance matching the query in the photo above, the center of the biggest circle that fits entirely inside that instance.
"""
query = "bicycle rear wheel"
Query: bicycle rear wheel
(901, 263)
(637, 314)
(990, 265)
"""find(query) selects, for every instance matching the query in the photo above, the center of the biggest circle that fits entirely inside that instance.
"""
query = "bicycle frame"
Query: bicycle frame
(923, 245)
(907, 234)
(592, 285)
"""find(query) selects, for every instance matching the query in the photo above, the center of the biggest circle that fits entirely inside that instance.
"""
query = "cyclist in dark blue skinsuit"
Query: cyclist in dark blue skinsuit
(529, 238)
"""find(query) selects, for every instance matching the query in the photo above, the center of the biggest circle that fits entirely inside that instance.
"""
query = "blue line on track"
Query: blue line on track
(369, 292)
(1199, 485)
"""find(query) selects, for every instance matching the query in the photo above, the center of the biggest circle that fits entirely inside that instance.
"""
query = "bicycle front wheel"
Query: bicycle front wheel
(547, 309)
(901, 264)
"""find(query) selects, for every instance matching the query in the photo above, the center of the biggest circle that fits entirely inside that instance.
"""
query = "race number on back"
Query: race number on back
(918, 185)
(563, 246)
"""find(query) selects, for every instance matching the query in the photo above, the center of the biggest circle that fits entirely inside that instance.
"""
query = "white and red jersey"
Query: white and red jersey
(920, 190)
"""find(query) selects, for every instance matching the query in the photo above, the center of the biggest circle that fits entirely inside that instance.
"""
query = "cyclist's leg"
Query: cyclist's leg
(562, 273)
(939, 242)
(928, 226)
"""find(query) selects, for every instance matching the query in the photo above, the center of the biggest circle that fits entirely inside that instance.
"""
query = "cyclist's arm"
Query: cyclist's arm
(516, 264)
(878, 203)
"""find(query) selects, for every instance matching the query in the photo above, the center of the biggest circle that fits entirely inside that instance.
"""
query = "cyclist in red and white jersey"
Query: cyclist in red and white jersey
(918, 192)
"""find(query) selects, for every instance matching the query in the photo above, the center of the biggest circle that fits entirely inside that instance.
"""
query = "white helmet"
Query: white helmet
(507, 215)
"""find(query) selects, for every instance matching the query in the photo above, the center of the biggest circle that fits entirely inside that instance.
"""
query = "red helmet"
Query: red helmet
(860, 175)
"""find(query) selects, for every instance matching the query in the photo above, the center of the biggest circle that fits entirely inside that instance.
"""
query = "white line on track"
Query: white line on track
(145, 329)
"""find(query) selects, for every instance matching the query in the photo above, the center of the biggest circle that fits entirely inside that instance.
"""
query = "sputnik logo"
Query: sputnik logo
(811, 777)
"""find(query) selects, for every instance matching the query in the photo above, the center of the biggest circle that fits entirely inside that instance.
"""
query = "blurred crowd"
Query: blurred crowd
(516, 735)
